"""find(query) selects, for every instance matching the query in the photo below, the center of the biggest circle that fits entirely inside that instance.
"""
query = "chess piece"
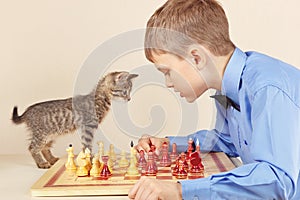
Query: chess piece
(174, 153)
(112, 154)
(135, 157)
(190, 149)
(175, 169)
(198, 147)
(132, 169)
(88, 159)
(142, 163)
(100, 150)
(182, 167)
(123, 162)
(95, 170)
(82, 163)
(105, 172)
(197, 167)
(165, 158)
(154, 152)
(70, 164)
(151, 168)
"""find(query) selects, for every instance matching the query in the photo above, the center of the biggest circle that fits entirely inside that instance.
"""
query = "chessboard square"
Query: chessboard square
(132, 177)
(164, 171)
(164, 177)
(195, 176)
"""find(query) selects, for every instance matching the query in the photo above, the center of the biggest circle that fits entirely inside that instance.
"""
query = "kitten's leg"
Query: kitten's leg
(48, 154)
(87, 135)
(35, 150)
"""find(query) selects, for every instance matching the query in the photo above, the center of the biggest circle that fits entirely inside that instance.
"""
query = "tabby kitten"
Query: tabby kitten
(47, 120)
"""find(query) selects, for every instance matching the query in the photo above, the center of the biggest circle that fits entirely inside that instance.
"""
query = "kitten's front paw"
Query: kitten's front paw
(44, 165)
(53, 161)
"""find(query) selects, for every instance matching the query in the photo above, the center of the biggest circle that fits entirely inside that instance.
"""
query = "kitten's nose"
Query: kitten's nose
(128, 98)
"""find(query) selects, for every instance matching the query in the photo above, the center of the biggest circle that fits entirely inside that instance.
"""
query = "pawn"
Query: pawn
(95, 171)
(154, 153)
(132, 169)
(112, 154)
(151, 168)
(142, 163)
(70, 164)
(123, 162)
(165, 158)
(88, 159)
(100, 150)
(105, 172)
(174, 153)
(190, 149)
(182, 167)
(175, 169)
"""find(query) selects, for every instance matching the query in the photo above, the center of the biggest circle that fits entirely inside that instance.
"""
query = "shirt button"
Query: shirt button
(196, 197)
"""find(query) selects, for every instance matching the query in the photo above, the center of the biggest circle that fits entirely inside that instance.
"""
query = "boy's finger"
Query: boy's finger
(133, 191)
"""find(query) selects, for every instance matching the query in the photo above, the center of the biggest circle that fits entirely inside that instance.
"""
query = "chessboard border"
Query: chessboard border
(45, 186)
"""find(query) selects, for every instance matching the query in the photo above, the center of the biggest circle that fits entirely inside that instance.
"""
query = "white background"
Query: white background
(44, 43)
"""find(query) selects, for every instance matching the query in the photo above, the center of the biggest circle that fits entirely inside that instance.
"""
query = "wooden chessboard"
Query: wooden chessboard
(59, 182)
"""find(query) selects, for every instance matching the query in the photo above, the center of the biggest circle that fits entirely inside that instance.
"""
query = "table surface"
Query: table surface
(18, 173)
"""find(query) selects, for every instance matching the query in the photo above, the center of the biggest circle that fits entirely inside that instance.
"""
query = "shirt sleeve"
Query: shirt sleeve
(217, 139)
(275, 149)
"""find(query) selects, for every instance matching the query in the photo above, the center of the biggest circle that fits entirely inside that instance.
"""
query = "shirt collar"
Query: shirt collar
(232, 75)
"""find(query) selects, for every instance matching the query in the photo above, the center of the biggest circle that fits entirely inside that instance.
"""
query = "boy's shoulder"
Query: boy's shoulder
(262, 70)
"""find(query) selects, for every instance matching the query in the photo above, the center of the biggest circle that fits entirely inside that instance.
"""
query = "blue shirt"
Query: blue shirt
(265, 133)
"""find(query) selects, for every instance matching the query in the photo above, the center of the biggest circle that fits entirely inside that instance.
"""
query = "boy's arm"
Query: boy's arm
(275, 149)
(217, 139)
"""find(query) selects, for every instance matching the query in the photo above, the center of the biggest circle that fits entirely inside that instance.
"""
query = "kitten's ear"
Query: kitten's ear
(131, 76)
(125, 76)
(121, 75)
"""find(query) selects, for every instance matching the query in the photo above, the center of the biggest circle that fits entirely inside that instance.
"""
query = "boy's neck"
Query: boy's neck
(221, 64)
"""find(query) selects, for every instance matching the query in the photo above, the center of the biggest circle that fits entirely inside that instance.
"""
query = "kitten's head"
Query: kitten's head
(121, 84)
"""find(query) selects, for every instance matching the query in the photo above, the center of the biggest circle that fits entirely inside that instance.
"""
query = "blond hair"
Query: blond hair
(180, 23)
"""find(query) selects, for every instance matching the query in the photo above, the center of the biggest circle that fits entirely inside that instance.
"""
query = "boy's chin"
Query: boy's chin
(190, 99)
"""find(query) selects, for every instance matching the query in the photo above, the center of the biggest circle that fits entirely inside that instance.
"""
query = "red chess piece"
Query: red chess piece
(182, 167)
(151, 168)
(142, 163)
(190, 149)
(165, 158)
(174, 153)
(197, 167)
(153, 150)
(105, 172)
(176, 167)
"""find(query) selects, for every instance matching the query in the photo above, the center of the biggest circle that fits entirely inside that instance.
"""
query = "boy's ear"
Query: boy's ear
(198, 57)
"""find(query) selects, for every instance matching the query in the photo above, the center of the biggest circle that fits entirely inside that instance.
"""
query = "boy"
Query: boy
(260, 121)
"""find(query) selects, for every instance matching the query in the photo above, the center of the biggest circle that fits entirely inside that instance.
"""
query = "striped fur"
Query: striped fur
(50, 119)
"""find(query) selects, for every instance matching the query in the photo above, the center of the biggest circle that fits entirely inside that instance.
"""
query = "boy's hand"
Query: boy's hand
(152, 189)
(146, 141)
